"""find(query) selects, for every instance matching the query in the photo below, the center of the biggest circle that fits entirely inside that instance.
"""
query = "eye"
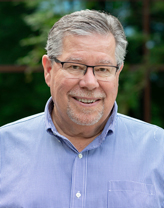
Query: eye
(75, 67)
(103, 69)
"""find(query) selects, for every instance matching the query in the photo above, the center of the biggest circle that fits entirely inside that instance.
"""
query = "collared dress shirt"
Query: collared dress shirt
(122, 168)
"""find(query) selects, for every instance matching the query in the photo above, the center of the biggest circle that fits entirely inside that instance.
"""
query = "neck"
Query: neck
(79, 136)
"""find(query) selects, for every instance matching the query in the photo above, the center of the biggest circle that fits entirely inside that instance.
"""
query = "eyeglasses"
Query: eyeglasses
(76, 70)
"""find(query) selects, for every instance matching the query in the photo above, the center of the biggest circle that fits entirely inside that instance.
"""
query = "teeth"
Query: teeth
(86, 101)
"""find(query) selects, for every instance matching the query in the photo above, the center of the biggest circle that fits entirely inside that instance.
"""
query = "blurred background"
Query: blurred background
(24, 28)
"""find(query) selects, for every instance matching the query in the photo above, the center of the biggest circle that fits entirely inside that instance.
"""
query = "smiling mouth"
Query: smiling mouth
(86, 101)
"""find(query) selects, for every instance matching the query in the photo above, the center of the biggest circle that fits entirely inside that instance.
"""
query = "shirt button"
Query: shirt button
(78, 194)
(80, 156)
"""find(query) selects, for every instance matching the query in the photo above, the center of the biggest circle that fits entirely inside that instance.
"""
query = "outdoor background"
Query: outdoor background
(24, 26)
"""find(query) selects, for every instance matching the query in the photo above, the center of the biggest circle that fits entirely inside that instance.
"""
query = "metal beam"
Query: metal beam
(10, 0)
(15, 68)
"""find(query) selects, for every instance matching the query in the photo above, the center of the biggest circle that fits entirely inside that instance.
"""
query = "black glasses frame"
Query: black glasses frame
(63, 62)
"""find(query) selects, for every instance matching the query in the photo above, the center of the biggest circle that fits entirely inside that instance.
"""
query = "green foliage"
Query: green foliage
(23, 36)
(41, 21)
(157, 104)
(13, 29)
(20, 98)
(20, 94)
(131, 84)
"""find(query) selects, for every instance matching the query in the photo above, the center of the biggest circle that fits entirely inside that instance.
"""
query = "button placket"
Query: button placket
(80, 155)
(78, 194)
(79, 176)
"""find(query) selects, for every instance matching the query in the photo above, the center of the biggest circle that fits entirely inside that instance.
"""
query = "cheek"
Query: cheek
(110, 89)
(111, 94)
(59, 96)
(56, 82)
(60, 89)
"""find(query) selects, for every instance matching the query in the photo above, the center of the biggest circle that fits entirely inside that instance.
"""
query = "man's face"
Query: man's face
(85, 101)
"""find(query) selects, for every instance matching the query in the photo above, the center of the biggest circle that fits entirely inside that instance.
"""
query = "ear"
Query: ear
(47, 65)
(120, 68)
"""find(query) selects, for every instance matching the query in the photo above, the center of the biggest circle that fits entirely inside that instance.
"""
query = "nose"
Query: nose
(89, 80)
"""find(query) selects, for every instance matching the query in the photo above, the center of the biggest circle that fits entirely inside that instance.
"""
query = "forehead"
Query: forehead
(95, 46)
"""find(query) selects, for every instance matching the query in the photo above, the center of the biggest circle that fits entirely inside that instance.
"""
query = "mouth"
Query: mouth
(86, 101)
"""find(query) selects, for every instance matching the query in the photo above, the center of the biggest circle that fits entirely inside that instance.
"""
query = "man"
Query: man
(81, 153)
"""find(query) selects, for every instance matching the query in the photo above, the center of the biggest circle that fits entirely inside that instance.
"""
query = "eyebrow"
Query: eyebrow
(81, 60)
(74, 59)
(105, 62)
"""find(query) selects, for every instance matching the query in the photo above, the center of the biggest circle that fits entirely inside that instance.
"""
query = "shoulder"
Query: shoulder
(27, 122)
(134, 121)
(25, 132)
(136, 126)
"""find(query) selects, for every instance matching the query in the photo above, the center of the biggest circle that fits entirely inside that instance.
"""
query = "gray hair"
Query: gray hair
(87, 22)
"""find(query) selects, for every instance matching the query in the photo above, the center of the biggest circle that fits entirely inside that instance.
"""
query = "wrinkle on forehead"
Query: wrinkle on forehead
(74, 59)
(91, 50)
(78, 59)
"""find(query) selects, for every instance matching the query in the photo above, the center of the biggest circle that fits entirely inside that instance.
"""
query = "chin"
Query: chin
(86, 120)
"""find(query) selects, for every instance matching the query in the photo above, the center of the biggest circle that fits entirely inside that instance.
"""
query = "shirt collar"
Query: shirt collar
(50, 127)
(110, 125)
